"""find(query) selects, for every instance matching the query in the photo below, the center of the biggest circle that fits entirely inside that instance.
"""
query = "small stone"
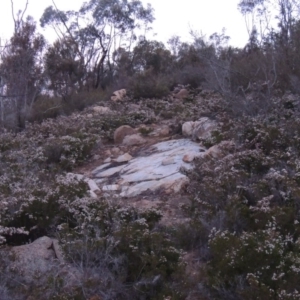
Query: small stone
(92, 184)
(115, 150)
(134, 139)
(124, 158)
(100, 181)
(93, 194)
(164, 131)
(188, 158)
(107, 153)
(168, 161)
(110, 188)
(108, 160)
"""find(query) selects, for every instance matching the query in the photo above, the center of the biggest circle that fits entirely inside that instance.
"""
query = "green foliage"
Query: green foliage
(215, 138)
(145, 131)
(123, 242)
(21, 73)
(276, 258)
(69, 150)
(148, 85)
(242, 221)
(246, 206)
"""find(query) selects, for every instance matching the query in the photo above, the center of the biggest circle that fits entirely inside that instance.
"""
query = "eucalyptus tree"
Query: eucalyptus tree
(262, 15)
(21, 72)
(94, 32)
(273, 31)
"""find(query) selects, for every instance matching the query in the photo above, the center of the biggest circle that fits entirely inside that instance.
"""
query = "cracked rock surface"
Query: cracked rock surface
(159, 168)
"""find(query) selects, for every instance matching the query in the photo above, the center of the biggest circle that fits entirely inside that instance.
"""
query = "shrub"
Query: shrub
(124, 246)
(148, 85)
(275, 271)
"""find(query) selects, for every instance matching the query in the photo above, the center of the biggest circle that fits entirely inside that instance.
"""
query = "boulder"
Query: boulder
(188, 158)
(159, 169)
(203, 128)
(199, 129)
(118, 95)
(36, 259)
(134, 139)
(220, 150)
(187, 128)
(121, 132)
(182, 94)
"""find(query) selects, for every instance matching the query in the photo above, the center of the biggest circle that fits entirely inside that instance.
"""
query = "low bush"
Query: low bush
(246, 205)
(148, 85)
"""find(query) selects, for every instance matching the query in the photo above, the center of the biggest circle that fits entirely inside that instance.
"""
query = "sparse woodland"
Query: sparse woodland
(239, 234)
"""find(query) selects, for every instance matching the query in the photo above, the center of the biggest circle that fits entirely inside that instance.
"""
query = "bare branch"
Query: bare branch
(70, 34)
(13, 14)
(18, 22)
(26, 6)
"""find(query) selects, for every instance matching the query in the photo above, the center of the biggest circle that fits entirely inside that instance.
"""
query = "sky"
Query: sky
(173, 17)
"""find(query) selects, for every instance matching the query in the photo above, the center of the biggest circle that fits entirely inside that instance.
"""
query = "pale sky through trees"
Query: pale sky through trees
(173, 17)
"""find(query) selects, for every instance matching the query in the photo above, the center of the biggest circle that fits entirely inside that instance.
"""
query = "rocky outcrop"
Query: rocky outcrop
(199, 129)
(35, 259)
(157, 169)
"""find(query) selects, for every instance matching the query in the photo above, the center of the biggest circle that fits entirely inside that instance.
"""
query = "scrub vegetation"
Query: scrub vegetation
(242, 220)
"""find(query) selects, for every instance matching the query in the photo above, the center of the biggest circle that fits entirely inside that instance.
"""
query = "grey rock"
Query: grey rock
(118, 95)
(160, 169)
(123, 158)
(35, 259)
(199, 129)
(134, 139)
(121, 132)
